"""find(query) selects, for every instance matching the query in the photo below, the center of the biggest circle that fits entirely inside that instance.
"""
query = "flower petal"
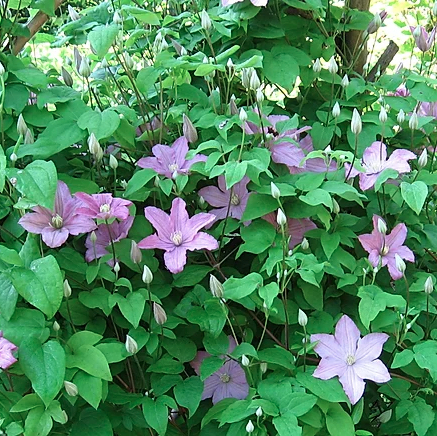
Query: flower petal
(352, 385)
(368, 181)
(180, 150)
(397, 237)
(201, 241)
(54, 237)
(178, 215)
(160, 220)
(287, 153)
(214, 196)
(195, 223)
(210, 386)
(36, 222)
(372, 241)
(200, 356)
(370, 346)
(154, 241)
(399, 161)
(347, 335)
(176, 259)
(375, 371)
(327, 346)
(330, 367)
(375, 156)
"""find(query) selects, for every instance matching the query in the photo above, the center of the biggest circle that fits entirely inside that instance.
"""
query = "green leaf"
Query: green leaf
(425, 355)
(102, 124)
(83, 338)
(234, 173)
(44, 365)
(209, 366)
(92, 423)
(316, 197)
(155, 413)
(281, 67)
(330, 242)
(143, 15)
(183, 349)
(388, 173)
(338, 421)
(301, 403)
(8, 297)
(102, 37)
(421, 415)
(91, 360)
(286, 425)
(42, 285)
(414, 194)
(146, 78)
(236, 289)
(259, 205)
(329, 390)
(89, 387)
(132, 307)
(372, 302)
(166, 365)
(257, 237)
(403, 358)
(28, 402)
(138, 180)
(188, 393)
(38, 422)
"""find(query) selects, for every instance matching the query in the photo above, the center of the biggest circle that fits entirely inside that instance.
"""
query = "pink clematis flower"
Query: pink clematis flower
(56, 225)
(401, 91)
(103, 206)
(231, 202)
(254, 2)
(297, 227)
(105, 233)
(6, 349)
(170, 161)
(423, 39)
(383, 248)
(227, 382)
(427, 109)
(375, 161)
(177, 233)
(350, 357)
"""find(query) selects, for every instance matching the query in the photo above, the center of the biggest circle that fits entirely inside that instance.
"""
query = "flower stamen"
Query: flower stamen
(225, 378)
(57, 221)
(176, 237)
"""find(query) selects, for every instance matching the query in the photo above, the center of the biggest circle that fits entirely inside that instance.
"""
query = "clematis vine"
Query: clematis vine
(375, 161)
(227, 382)
(103, 206)
(424, 40)
(56, 225)
(170, 161)
(230, 202)
(254, 2)
(105, 234)
(177, 233)
(352, 358)
(6, 349)
(383, 248)
(297, 227)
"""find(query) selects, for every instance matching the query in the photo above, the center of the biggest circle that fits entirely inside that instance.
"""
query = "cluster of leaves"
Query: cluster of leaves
(108, 345)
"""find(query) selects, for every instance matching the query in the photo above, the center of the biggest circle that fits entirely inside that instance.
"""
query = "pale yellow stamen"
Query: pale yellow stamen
(235, 200)
(176, 237)
(173, 167)
(225, 378)
(57, 221)
(105, 208)
(385, 250)
(350, 360)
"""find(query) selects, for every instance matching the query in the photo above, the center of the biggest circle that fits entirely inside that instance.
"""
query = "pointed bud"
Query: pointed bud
(429, 285)
(400, 264)
(263, 367)
(259, 412)
(56, 326)
(66, 77)
(317, 66)
(259, 95)
(276, 193)
(281, 219)
(401, 117)
(423, 159)
(230, 65)
(302, 319)
(305, 244)
(13, 157)
(383, 115)
(84, 68)
(332, 66)
(159, 314)
(243, 115)
(21, 125)
(113, 162)
(232, 106)
(245, 77)
(147, 276)
(135, 253)
(382, 226)
(189, 130)
(205, 21)
(356, 125)
(116, 268)
(74, 16)
(71, 388)
(215, 287)
(117, 18)
(245, 360)
(336, 110)
(128, 61)
(254, 82)
(250, 427)
(345, 81)
(93, 237)
(131, 345)
(93, 144)
(335, 206)
(67, 289)
(28, 137)
(413, 124)
(2, 69)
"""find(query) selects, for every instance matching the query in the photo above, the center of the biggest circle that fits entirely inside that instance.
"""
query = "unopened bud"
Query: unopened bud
(245, 360)
(74, 16)
(302, 318)
(254, 82)
(84, 68)
(383, 115)
(317, 66)
(205, 21)
(281, 219)
(259, 95)
(385, 416)
(434, 9)
(232, 106)
(128, 61)
(131, 345)
(113, 162)
(413, 124)
(135, 253)
(336, 110)
(356, 125)
(66, 77)
(263, 367)
(243, 115)
(117, 18)
(93, 237)
(230, 65)
(423, 159)
(215, 287)
(28, 137)
(2, 69)
(13, 157)
(259, 412)
(305, 244)
(276, 193)
(147, 276)
(400, 264)
(71, 388)
(250, 427)
(67, 289)
(93, 144)
(335, 206)
(56, 326)
(332, 66)
(116, 268)
(189, 130)
(429, 285)
(159, 314)
(345, 81)
(21, 125)
(401, 117)
(382, 226)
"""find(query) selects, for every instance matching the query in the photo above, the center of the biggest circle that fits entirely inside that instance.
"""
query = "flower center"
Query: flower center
(173, 167)
(385, 250)
(57, 221)
(373, 167)
(176, 237)
(350, 360)
(105, 208)
(235, 200)
(225, 378)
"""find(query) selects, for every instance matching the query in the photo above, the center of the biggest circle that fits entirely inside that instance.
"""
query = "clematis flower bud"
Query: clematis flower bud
(189, 130)
(376, 22)
(259, 95)
(250, 427)
(74, 16)
(21, 125)
(243, 115)
(113, 162)
(117, 18)
(385, 416)
(383, 115)
(423, 159)
(401, 116)
(302, 318)
(429, 285)
(66, 77)
(93, 237)
(67, 289)
(84, 68)
(215, 287)
(276, 193)
(317, 66)
(116, 268)
(356, 125)
(131, 345)
(413, 124)
(13, 157)
(400, 264)
(147, 276)
(28, 137)
(135, 253)
(382, 226)
(254, 82)
(56, 326)
(205, 21)
(259, 412)
(345, 81)
(336, 110)
(245, 77)
(93, 144)
(159, 314)
(232, 106)
(128, 60)
(263, 367)
(245, 360)
(305, 244)
(230, 65)
(281, 219)
(71, 388)
(332, 66)
(2, 69)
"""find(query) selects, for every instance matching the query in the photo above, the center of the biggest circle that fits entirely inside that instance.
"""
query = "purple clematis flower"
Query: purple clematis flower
(350, 357)
(427, 109)
(105, 233)
(55, 225)
(227, 382)
(401, 91)
(177, 233)
(231, 202)
(423, 39)
(297, 227)
(375, 162)
(383, 248)
(103, 206)
(170, 161)
(254, 2)
(6, 349)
